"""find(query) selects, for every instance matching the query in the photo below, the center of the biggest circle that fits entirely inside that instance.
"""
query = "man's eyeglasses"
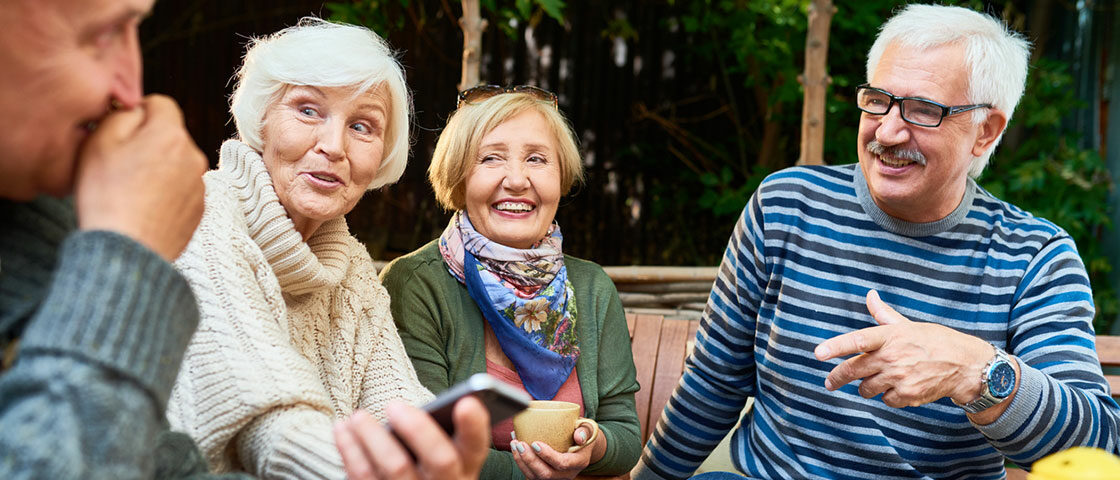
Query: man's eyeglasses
(918, 111)
(482, 92)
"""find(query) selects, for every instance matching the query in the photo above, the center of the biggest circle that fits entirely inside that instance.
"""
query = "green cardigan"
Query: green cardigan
(442, 330)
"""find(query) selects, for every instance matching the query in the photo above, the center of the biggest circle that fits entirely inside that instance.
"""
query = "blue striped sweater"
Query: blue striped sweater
(805, 252)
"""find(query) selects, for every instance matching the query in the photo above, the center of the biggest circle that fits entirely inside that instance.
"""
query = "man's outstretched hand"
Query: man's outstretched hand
(909, 363)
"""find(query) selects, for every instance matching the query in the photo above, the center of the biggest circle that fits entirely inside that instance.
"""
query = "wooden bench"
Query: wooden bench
(660, 346)
(1108, 349)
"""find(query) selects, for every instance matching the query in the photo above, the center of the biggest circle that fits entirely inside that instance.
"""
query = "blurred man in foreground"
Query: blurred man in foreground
(93, 318)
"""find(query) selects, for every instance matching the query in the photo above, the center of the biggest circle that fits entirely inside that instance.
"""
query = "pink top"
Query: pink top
(569, 392)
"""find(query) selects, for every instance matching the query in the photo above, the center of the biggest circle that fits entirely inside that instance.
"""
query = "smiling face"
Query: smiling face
(904, 188)
(513, 188)
(322, 148)
(64, 61)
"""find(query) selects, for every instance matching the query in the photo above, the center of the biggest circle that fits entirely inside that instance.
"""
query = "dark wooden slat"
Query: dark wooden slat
(670, 364)
(693, 326)
(644, 345)
(1108, 349)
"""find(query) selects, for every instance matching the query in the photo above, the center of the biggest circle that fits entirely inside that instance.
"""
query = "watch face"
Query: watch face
(1001, 379)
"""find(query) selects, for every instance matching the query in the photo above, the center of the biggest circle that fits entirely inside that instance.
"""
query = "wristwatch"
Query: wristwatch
(997, 381)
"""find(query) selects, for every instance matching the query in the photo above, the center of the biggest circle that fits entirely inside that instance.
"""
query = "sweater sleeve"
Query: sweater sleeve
(617, 381)
(245, 394)
(1063, 399)
(389, 372)
(99, 355)
(291, 443)
(719, 376)
(413, 300)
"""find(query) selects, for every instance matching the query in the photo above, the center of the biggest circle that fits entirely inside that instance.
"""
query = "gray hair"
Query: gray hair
(319, 53)
(996, 56)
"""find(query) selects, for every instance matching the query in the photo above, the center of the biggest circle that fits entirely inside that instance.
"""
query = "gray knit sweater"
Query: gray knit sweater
(102, 324)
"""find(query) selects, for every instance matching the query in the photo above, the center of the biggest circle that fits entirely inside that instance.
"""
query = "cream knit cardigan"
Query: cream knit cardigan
(293, 336)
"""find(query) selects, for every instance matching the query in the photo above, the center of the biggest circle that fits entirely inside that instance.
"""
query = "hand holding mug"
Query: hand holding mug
(550, 439)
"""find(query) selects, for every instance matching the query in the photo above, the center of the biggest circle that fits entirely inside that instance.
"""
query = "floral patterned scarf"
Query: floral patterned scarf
(525, 297)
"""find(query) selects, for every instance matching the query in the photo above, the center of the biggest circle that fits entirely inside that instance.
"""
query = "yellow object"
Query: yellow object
(1077, 463)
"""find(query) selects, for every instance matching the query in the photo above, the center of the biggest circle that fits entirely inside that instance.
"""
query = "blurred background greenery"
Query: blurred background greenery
(681, 108)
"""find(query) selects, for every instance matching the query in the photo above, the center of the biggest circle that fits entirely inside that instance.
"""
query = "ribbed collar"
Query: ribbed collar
(301, 267)
(910, 229)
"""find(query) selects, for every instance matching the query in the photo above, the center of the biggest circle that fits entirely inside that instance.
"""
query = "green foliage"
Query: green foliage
(385, 16)
(726, 197)
(378, 15)
(1049, 175)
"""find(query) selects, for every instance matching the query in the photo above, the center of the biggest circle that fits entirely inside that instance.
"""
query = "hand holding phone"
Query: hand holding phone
(370, 451)
(501, 400)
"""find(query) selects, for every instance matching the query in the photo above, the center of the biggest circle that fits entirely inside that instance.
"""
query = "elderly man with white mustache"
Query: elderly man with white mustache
(891, 318)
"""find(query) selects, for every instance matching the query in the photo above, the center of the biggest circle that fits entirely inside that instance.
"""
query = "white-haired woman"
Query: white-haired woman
(296, 332)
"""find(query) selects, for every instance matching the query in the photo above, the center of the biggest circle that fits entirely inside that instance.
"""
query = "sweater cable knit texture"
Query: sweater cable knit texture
(293, 335)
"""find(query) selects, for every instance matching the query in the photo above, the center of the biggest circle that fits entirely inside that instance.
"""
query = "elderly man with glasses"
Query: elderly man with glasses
(891, 318)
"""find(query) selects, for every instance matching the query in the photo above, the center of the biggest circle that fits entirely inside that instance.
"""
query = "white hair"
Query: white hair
(996, 56)
(319, 53)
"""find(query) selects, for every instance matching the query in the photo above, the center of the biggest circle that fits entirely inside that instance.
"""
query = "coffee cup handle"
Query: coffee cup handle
(590, 440)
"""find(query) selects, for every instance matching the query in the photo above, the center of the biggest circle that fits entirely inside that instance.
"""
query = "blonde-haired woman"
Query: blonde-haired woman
(496, 294)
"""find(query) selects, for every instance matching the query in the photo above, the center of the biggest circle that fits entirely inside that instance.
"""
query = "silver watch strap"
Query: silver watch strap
(986, 400)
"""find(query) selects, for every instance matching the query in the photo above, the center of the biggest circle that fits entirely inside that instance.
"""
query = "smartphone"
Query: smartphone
(502, 400)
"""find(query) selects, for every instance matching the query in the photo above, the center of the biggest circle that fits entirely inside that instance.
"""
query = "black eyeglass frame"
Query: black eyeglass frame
(946, 110)
(483, 92)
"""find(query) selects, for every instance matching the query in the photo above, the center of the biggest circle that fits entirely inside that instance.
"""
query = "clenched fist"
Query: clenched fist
(140, 174)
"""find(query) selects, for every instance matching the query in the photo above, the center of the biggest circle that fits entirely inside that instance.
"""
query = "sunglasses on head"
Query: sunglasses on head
(482, 92)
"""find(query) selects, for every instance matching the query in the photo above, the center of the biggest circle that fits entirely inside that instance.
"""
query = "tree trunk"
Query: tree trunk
(815, 80)
(472, 24)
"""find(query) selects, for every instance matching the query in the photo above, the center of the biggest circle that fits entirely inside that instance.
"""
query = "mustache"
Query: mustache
(896, 152)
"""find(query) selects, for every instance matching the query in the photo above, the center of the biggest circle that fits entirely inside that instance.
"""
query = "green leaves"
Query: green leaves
(381, 16)
(384, 16)
(726, 195)
(554, 9)
(1050, 175)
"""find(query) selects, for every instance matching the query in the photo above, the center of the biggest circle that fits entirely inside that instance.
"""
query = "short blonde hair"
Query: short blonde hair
(458, 144)
(319, 53)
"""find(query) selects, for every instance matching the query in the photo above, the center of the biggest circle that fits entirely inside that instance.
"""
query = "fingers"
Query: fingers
(581, 434)
(864, 340)
(140, 174)
(854, 368)
(119, 125)
(538, 460)
(354, 457)
(872, 385)
(882, 312)
(369, 451)
(860, 341)
(521, 455)
(436, 456)
(472, 434)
